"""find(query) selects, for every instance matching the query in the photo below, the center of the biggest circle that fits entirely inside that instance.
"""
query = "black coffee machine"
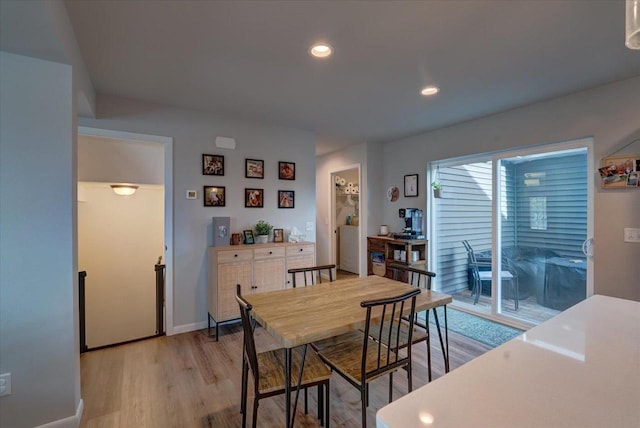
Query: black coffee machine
(412, 224)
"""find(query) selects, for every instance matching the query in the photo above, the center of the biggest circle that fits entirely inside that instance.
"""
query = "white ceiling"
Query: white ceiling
(248, 59)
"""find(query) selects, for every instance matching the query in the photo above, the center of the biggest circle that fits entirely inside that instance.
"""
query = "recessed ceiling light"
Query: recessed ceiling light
(430, 90)
(321, 50)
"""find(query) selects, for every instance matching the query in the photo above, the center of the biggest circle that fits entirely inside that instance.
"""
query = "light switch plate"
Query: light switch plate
(631, 234)
(5, 384)
(309, 226)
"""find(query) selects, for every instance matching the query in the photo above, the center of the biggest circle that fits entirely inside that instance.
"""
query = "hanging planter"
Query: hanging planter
(437, 189)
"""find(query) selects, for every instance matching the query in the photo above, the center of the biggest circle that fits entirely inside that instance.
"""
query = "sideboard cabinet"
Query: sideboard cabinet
(257, 268)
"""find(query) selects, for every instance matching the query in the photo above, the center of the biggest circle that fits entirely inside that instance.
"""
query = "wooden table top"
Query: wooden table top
(302, 315)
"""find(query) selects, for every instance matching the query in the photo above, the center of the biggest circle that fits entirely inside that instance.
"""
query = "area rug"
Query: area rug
(477, 328)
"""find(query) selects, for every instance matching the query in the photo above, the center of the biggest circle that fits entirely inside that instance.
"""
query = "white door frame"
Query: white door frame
(167, 143)
(332, 215)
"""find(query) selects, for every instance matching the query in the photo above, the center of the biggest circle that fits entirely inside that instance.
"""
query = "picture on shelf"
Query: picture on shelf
(212, 165)
(214, 196)
(248, 237)
(278, 235)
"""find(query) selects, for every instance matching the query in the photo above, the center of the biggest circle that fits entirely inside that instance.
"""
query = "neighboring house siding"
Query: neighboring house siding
(564, 184)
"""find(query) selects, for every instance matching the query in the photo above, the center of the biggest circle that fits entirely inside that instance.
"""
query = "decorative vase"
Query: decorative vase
(262, 239)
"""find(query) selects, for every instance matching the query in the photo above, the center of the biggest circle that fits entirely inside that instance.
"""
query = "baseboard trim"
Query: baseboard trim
(185, 328)
(70, 422)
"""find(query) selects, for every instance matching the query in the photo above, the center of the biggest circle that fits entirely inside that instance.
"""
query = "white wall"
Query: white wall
(119, 241)
(194, 134)
(38, 266)
(609, 113)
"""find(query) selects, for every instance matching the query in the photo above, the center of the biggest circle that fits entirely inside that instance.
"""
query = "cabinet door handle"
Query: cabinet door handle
(300, 249)
(270, 252)
(235, 255)
(254, 287)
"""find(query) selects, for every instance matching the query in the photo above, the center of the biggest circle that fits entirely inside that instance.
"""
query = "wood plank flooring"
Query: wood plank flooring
(189, 380)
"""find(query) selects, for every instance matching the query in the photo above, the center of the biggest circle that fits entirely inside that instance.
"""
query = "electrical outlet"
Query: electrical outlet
(309, 226)
(631, 235)
(5, 384)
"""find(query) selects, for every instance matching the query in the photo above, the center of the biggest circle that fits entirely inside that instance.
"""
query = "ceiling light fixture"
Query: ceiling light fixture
(321, 50)
(633, 24)
(124, 189)
(429, 90)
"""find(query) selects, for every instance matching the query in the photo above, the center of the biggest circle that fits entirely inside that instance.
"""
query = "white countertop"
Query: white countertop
(579, 369)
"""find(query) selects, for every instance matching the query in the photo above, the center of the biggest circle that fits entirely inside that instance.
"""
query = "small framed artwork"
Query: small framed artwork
(286, 198)
(254, 168)
(278, 235)
(411, 185)
(286, 170)
(214, 196)
(248, 237)
(254, 198)
(212, 165)
(632, 179)
(192, 194)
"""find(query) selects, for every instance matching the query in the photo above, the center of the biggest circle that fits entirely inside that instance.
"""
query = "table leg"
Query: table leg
(444, 345)
(287, 385)
(295, 402)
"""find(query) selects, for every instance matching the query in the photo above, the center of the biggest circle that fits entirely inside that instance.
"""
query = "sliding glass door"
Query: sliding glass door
(531, 208)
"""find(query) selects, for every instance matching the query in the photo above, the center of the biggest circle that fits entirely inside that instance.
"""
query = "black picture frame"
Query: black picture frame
(248, 237)
(286, 199)
(214, 196)
(212, 164)
(411, 185)
(286, 170)
(254, 168)
(278, 235)
(253, 198)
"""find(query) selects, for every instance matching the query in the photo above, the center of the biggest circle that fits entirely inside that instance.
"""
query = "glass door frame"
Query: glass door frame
(495, 312)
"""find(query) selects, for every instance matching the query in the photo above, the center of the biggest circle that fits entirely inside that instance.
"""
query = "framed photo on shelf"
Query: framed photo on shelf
(214, 196)
(286, 198)
(248, 237)
(286, 170)
(411, 185)
(253, 168)
(254, 198)
(278, 235)
(212, 165)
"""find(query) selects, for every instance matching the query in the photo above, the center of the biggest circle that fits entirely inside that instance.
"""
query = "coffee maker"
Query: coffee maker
(412, 224)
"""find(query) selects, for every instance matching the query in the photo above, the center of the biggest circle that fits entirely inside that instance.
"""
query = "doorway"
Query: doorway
(123, 240)
(509, 228)
(345, 218)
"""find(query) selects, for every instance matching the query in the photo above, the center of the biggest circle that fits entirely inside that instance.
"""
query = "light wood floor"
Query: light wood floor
(189, 380)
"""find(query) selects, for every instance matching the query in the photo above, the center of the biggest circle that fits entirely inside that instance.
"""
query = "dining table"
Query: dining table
(299, 316)
(581, 369)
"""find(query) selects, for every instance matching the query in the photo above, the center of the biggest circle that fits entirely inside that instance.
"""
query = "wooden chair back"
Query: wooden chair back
(312, 272)
(249, 352)
(388, 317)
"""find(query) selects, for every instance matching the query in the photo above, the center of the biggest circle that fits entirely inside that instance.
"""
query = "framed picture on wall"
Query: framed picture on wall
(411, 185)
(286, 170)
(214, 196)
(286, 199)
(212, 165)
(254, 198)
(254, 168)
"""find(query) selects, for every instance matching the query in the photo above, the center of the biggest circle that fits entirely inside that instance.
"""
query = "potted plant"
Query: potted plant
(437, 189)
(263, 229)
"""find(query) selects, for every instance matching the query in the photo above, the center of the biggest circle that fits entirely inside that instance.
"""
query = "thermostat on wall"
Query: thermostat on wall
(192, 194)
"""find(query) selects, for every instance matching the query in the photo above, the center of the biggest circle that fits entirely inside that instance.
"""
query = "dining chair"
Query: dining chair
(312, 272)
(361, 358)
(422, 279)
(268, 372)
(479, 276)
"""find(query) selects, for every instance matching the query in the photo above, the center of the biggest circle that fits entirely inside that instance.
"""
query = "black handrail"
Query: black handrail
(160, 269)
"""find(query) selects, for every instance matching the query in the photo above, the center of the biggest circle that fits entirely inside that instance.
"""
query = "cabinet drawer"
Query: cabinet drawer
(300, 249)
(265, 253)
(234, 256)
